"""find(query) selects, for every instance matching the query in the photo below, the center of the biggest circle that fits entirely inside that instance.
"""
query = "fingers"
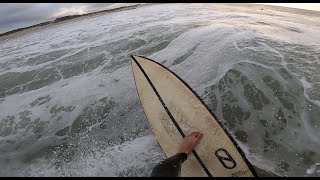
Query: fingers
(195, 134)
(190, 141)
(192, 134)
(199, 137)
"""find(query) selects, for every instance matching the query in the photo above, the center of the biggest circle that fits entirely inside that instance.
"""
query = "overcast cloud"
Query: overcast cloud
(18, 15)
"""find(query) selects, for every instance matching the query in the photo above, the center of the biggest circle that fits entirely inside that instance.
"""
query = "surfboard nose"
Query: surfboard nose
(137, 59)
(134, 57)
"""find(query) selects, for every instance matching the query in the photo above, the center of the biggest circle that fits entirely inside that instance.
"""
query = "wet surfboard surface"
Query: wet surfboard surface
(173, 110)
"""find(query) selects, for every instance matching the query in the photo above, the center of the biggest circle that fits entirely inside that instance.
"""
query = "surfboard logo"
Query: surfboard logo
(225, 158)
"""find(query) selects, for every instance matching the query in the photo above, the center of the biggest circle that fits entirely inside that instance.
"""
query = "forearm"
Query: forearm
(170, 167)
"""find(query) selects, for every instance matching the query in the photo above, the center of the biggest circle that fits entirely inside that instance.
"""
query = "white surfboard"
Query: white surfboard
(173, 110)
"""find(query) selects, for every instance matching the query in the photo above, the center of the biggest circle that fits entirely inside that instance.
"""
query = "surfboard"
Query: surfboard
(173, 110)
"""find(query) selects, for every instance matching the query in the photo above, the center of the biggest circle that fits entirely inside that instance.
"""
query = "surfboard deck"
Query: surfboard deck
(173, 110)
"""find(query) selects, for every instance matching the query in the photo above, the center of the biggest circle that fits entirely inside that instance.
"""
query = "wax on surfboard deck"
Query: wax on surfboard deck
(173, 110)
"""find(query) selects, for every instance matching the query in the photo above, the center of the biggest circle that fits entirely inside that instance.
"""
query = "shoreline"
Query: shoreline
(13, 34)
(9, 35)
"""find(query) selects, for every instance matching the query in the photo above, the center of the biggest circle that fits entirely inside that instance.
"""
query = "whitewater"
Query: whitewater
(69, 105)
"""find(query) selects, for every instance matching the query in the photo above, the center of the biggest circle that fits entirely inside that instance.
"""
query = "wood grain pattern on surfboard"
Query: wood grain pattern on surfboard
(173, 110)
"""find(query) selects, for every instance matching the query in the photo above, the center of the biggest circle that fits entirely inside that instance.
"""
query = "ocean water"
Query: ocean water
(69, 106)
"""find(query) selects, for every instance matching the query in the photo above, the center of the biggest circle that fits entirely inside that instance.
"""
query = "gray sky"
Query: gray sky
(17, 15)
